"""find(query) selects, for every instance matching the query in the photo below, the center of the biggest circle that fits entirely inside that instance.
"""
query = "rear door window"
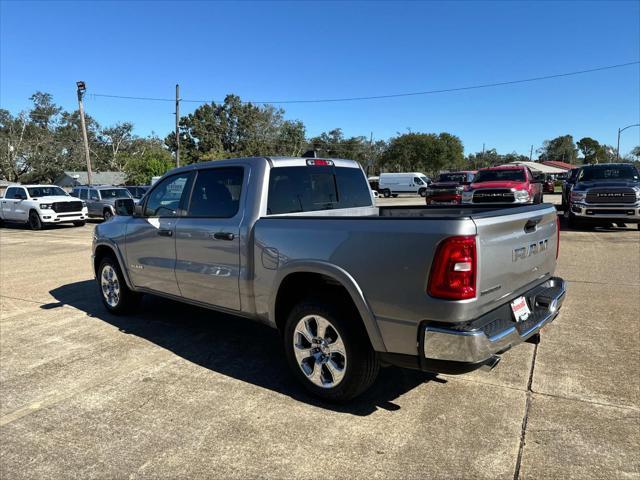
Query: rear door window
(216, 193)
(308, 189)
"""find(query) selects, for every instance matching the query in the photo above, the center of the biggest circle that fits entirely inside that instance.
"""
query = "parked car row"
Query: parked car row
(42, 205)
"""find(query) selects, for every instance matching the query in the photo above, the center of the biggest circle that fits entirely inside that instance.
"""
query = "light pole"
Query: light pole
(620, 130)
(81, 89)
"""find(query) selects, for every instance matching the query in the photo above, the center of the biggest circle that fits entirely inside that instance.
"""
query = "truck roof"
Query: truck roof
(273, 161)
(33, 185)
(505, 167)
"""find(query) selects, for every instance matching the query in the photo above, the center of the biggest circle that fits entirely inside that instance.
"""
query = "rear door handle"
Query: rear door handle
(165, 233)
(224, 236)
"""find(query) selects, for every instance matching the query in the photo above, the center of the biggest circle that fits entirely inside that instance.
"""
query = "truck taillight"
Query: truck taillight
(557, 236)
(454, 269)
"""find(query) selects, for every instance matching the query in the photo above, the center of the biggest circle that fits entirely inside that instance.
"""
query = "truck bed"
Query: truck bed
(388, 252)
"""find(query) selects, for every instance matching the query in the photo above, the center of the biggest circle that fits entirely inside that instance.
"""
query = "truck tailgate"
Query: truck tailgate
(514, 250)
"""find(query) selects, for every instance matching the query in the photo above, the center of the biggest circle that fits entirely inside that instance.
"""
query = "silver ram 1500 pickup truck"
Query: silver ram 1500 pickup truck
(298, 244)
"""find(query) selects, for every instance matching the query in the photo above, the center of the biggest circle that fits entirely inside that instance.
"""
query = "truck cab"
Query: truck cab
(603, 194)
(506, 184)
(105, 201)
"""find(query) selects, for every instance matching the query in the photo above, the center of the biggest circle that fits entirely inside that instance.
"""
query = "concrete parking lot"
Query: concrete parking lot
(180, 392)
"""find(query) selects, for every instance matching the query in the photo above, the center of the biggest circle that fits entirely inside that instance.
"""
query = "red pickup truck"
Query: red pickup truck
(513, 184)
(448, 188)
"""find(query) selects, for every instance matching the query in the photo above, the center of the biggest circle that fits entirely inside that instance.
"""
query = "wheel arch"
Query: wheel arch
(104, 249)
(299, 279)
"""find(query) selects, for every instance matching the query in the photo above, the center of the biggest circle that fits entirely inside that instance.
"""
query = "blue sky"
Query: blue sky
(300, 50)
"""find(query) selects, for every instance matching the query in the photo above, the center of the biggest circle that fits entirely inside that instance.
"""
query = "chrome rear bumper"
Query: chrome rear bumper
(477, 345)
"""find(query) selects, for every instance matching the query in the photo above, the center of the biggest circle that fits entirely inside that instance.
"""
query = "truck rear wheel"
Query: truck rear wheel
(115, 294)
(328, 350)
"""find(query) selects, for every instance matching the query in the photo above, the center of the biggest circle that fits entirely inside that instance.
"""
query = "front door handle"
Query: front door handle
(165, 233)
(224, 236)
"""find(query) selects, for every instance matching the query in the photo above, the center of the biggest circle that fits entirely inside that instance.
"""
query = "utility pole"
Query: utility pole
(81, 89)
(177, 125)
(531, 153)
(370, 163)
(620, 130)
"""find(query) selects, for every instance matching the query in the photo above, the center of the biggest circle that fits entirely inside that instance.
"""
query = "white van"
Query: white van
(395, 183)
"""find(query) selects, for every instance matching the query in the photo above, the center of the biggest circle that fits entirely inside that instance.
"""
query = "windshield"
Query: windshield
(452, 177)
(35, 192)
(512, 174)
(115, 193)
(609, 172)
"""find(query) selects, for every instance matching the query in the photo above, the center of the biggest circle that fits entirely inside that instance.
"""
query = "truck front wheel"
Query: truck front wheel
(386, 193)
(115, 294)
(328, 350)
(34, 220)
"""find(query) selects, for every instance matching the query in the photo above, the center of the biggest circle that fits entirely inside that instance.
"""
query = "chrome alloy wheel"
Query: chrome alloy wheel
(319, 351)
(110, 286)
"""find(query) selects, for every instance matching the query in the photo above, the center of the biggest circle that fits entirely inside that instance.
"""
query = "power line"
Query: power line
(394, 95)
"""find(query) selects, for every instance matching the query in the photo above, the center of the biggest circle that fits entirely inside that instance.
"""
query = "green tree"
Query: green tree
(424, 152)
(235, 129)
(334, 144)
(488, 158)
(559, 149)
(117, 140)
(153, 161)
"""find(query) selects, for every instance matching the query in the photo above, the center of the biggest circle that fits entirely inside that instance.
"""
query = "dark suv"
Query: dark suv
(604, 194)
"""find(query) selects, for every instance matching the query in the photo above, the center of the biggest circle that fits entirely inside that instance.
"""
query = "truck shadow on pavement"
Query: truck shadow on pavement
(232, 346)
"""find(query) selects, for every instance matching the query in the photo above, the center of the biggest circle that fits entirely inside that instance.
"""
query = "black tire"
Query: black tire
(34, 220)
(127, 299)
(386, 193)
(81, 223)
(572, 221)
(362, 364)
(107, 214)
(394, 195)
(422, 192)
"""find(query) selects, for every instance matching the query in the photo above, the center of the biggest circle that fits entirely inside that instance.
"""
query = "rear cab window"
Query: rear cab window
(312, 188)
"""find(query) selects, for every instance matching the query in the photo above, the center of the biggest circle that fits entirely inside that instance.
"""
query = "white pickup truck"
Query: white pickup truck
(41, 205)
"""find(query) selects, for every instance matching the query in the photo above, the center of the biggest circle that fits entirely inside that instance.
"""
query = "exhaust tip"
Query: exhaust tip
(491, 363)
